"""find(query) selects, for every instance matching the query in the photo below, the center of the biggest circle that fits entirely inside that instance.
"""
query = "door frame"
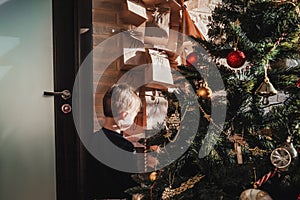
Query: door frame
(69, 50)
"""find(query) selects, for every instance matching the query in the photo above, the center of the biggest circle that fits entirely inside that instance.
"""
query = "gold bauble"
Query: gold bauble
(153, 176)
(204, 92)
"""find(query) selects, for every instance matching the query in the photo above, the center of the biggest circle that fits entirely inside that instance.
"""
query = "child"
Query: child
(120, 105)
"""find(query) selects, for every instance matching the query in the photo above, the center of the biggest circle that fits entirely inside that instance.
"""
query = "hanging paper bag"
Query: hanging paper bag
(158, 73)
(157, 26)
(133, 13)
(134, 53)
(152, 2)
(173, 4)
(133, 58)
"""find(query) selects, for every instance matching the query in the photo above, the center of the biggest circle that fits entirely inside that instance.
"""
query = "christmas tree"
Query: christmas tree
(254, 45)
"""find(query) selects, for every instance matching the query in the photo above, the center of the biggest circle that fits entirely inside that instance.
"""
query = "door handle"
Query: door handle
(65, 94)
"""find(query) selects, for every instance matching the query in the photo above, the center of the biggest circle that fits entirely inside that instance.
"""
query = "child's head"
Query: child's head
(121, 103)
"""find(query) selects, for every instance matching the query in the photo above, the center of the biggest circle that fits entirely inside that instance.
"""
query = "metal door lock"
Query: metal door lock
(66, 108)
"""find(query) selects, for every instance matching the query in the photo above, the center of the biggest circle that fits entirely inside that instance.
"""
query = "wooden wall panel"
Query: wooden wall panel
(106, 23)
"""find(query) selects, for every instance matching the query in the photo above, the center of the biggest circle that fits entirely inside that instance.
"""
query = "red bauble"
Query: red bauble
(192, 59)
(236, 59)
(298, 83)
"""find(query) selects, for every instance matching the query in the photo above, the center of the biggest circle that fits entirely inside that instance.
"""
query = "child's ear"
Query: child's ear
(123, 114)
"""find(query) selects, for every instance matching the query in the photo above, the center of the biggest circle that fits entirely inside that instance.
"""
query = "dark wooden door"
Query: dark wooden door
(72, 30)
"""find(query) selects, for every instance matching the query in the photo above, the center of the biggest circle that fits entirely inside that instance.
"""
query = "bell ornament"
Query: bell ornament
(266, 89)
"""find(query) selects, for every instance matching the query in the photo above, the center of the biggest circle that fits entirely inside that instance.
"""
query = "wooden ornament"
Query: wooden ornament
(238, 151)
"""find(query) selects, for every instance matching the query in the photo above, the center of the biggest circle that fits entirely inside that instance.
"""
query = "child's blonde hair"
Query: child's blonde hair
(120, 98)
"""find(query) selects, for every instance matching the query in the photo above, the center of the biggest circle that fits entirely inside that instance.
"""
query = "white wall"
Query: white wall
(27, 160)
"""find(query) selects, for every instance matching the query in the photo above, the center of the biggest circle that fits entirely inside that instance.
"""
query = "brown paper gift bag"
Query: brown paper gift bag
(134, 53)
(173, 4)
(133, 58)
(157, 26)
(158, 74)
(133, 13)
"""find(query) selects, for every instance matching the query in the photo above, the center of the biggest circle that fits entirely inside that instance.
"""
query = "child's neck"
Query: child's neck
(110, 124)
